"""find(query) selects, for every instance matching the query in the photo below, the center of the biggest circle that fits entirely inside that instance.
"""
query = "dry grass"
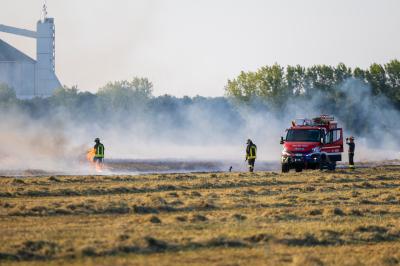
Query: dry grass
(266, 218)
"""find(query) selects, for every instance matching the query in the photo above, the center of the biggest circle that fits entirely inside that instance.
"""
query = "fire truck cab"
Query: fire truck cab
(312, 144)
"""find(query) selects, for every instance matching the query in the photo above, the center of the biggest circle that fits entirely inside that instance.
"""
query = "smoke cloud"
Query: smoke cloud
(212, 129)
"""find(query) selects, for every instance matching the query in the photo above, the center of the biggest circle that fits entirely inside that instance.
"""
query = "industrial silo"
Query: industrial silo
(28, 77)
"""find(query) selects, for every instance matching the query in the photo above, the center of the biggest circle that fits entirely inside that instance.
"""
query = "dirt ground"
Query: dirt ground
(266, 218)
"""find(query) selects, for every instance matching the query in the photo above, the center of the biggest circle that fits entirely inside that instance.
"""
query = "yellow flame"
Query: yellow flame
(90, 156)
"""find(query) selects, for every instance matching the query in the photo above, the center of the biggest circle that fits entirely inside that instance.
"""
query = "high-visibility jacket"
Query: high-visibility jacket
(99, 150)
(251, 152)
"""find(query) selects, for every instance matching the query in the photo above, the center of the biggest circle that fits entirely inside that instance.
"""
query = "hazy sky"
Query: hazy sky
(190, 47)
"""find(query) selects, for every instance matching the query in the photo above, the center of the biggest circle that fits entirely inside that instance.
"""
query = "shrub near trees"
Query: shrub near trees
(7, 96)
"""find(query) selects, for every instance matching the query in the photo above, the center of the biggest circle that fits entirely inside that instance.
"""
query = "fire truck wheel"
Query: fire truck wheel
(285, 168)
(299, 168)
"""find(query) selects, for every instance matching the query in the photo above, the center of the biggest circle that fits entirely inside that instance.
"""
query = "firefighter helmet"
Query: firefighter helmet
(96, 140)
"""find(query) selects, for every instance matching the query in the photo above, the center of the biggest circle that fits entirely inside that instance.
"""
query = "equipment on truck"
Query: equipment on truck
(312, 144)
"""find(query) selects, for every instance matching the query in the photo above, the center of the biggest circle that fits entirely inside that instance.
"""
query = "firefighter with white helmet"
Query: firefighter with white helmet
(352, 147)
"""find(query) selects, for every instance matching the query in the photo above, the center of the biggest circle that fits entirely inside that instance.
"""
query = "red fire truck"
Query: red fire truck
(312, 144)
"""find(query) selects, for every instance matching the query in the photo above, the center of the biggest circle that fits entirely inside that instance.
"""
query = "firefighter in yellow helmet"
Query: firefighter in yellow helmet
(251, 154)
(99, 152)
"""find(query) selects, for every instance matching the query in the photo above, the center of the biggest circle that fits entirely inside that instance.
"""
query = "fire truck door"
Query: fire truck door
(333, 144)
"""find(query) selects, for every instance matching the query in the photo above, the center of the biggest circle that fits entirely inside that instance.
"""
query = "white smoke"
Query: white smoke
(199, 131)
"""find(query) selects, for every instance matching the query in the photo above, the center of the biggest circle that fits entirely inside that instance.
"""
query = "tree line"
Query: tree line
(125, 104)
(277, 85)
(366, 101)
(355, 96)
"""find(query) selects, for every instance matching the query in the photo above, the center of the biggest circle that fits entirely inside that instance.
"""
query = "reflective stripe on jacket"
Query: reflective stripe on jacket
(251, 152)
(99, 151)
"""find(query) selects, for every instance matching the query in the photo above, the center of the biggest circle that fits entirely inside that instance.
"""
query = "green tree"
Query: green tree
(392, 70)
(320, 78)
(7, 94)
(359, 74)
(267, 83)
(272, 86)
(376, 77)
(296, 79)
(341, 73)
(8, 98)
(244, 87)
(124, 96)
(66, 97)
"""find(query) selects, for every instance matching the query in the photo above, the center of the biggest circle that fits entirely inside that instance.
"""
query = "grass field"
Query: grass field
(266, 218)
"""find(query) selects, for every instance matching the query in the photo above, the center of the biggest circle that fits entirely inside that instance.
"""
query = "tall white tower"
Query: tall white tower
(45, 79)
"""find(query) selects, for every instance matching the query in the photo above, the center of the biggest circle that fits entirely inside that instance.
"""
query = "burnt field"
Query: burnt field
(266, 218)
(137, 167)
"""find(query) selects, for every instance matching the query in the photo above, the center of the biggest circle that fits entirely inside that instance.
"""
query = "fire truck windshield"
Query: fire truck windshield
(303, 135)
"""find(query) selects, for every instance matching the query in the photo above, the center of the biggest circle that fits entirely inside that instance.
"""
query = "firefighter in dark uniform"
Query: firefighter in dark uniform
(99, 152)
(352, 147)
(251, 154)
